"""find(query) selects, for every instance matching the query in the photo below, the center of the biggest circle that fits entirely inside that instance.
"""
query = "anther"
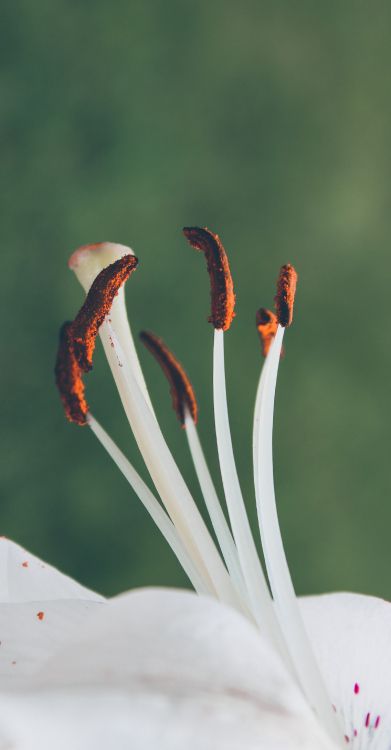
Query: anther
(222, 291)
(285, 297)
(181, 389)
(97, 305)
(266, 322)
(68, 378)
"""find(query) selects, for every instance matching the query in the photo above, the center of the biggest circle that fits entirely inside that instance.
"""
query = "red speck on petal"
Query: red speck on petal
(346, 738)
(377, 722)
(356, 688)
(355, 732)
(25, 564)
(367, 720)
(13, 662)
(40, 615)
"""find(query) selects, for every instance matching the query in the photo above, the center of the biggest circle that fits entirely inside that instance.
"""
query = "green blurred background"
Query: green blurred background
(269, 122)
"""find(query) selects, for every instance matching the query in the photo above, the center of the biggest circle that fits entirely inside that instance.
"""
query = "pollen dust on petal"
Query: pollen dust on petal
(40, 615)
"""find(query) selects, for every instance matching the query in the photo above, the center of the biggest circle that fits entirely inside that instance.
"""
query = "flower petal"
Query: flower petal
(163, 669)
(40, 608)
(351, 636)
(25, 578)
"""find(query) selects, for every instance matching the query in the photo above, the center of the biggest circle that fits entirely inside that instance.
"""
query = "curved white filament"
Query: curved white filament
(120, 323)
(217, 517)
(151, 504)
(287, 609)
(258, 593)
(165, 474)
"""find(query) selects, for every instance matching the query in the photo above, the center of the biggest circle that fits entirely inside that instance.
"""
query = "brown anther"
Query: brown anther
(266, 322)
(285, 297)
(181, 389)
(97, 305)
(68, 378)
(222, 290)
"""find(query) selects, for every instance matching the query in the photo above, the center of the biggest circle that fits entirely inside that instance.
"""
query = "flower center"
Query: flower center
(232, 571)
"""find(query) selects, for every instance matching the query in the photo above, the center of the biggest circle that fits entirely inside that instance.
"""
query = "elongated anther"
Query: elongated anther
(181, 389)
(222, 290)
(97, 305)
(68, 378)
(285, 297)
(267, 323)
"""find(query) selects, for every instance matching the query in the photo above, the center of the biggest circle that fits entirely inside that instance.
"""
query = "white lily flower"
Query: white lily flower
(228, 667)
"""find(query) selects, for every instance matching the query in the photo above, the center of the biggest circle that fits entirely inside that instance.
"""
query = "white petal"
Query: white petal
(168, 670)
(25, 578)
(351, 635)
(40, 608)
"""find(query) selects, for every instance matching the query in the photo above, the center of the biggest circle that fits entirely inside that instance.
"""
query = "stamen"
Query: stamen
(258, 592)
(216, 515)
(181, 389)
(97, 305)
(285, 297)
(222, 290)
(151, 504)
(266, 322)
(286, 604)
(68, 378)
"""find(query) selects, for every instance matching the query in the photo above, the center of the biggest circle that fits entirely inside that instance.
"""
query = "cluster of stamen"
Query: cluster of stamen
(236, 576)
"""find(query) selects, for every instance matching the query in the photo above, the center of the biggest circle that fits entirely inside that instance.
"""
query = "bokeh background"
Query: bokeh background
(269, 122)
